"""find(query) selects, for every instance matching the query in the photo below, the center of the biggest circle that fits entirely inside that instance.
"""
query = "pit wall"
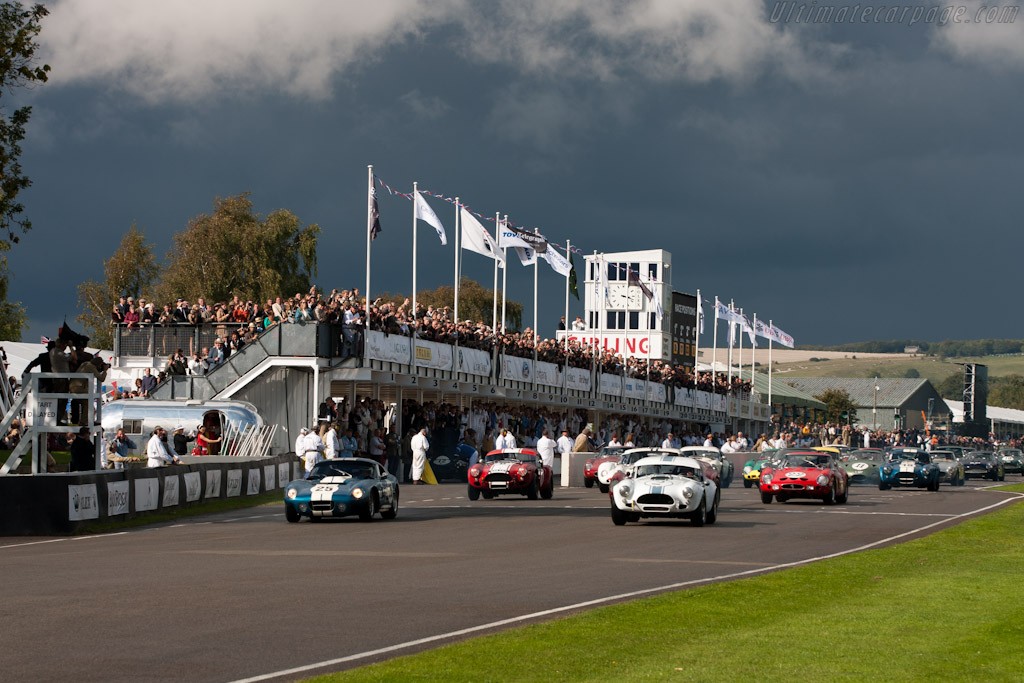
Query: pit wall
(64, 503)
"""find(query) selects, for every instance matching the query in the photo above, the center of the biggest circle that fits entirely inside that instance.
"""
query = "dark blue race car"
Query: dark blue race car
(909, 467)
(340, 487)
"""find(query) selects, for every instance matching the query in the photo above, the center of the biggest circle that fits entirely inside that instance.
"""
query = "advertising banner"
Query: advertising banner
(193, 487)
(282, 473)
(517, 369)
(610, 384)
(83, 502)
(212, 484)
(474, 362)
(117, 498)
(718, 402)
(388, 347)
(172, 495)
(549, 374)
(633, 388)
(234, 483)
(684, 397)
(268, 476)
(147, 494)
(702, 400)
(684, 329)
(656, 392)
(433, 355)
(253, 479)
(577, 379)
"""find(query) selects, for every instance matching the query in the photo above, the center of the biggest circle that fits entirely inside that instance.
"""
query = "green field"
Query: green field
(935, 369)
(946, 607)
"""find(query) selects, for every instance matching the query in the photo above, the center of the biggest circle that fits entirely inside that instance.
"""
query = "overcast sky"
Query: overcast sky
(850, 181)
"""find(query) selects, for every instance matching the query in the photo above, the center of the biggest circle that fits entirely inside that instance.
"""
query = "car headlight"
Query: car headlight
(767, 478)
(887, 470)
(357, 493)
(291, 494)
(823, 480)
(623, 490)
(474, 471)
(746, 468)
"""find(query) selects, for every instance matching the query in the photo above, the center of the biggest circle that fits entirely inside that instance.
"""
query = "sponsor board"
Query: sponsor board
(610, 385)
(83, 502)
(212, 484)
(282, 473)
(474, 362)
(517, 369)
(172, 494)
(577, 379)
(656, 392)
(634, 388)
(702, 400)
(234, 480)
(433, 355)
(193, 487)
(117, 498)
(684, 397)
(548, 374)
(268, 476)
(297, 470)
(388, 347)
(147, 494)
(253, 482)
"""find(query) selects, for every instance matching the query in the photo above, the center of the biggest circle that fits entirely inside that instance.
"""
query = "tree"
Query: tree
(839, 407)
(476, 302)
(952, 387)
(18, 31)
(234, 251)
(131, 271)
(911, 373)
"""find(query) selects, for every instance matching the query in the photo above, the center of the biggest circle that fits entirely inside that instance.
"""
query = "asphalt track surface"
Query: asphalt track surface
(245, 595)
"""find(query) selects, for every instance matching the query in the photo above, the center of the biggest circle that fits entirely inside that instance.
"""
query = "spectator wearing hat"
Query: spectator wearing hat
(216, 354)
(181, 439)
(181, 311)
(157, 452)
(564, 443)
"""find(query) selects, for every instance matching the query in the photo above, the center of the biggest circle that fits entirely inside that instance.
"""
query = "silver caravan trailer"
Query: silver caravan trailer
(139, 416)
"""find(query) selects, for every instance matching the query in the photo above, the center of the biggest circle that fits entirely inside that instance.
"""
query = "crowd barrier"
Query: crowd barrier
(45, 504)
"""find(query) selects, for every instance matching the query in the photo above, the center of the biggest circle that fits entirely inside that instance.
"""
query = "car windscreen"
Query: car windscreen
(873, 456)
(355, 470)
(677, 470)
(713, 455)
(521, 457)
(801, 460)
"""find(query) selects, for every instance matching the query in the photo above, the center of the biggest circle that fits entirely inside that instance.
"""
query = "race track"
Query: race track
(245, 594)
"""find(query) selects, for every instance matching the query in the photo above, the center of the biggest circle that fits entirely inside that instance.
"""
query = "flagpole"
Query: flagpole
(369, 239)
(742, 331)
(455, 360)
(732, 335)
(753, 355)
(504, 284)
(696, 334)
(714, 348)
(565, 372)
(494, 308)
(415, 194)
(770, 326)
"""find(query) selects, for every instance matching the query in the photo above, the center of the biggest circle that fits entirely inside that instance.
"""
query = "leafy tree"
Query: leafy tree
(129, 272)
(912, 373)
(1007, 392)
(952, 387)
(475, 302)
(837, 402)
(18, 31)
(234, 251)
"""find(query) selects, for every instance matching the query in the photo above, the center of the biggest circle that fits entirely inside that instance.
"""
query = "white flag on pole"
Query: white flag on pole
(526, 255)
(427, 215)
(602, 278)
(510, 236)
(557, 262)
(761, 329)
(749, 329)
(476, 237)
(700, 316)
(782, 337)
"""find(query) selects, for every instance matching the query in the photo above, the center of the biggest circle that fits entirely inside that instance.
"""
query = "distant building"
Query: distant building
(911, 349)
(900, 403)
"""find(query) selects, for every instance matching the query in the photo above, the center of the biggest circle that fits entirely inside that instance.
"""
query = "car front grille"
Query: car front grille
(655, 499)
(499, 478)
(322, 506)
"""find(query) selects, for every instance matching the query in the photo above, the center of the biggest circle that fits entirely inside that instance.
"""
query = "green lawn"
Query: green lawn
(935, 369)
(946, 607)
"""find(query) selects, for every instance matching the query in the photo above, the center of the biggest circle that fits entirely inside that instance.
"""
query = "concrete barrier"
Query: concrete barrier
(572, 468)
(65, 502)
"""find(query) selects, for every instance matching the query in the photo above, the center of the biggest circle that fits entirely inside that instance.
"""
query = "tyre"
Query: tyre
(747, 483)
(842, 498)
(700, 515)
(882, 486)
(603, 487)
(1002, 476)
(548, 491)
(781, 498)
(291, 514)
(393, 512)
(727, 481)
(961, 481)
(766, 498)
(618, 516)
(713, 515)
(934, 484)
(488, 495)
(366, 514)
(473, 493)
(830, 499)
(589, 483)
(533, 493)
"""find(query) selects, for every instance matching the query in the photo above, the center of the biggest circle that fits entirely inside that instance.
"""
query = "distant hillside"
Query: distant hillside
(944, 349)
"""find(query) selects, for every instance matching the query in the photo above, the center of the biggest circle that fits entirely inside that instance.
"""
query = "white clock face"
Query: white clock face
(617, 296)
(634, 299)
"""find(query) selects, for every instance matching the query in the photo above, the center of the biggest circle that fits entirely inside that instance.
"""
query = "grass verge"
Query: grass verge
(944, 607)
(191, 511)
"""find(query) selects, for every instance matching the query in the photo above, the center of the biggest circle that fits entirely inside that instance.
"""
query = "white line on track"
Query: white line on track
(600, 601)
(60, 540)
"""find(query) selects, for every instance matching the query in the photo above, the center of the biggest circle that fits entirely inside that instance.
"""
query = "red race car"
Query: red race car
(511, 470)
(800, 473)
(590, 467)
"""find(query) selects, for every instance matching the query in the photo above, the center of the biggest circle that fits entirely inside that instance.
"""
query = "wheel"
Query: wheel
(882, 486)
(589, 483)
(548, 491)
(700, 515)
(781, 498)
(713, 515)
(473, 493)
(747, 483)
(488, 495)
(961, 481)
(830, 499)
(934, 484)
(291, 514)
(842, 498)
(766, 498)
(1002, 476)
(367, 513)
(393, 512)
(534, 491)
(618, 516)
(727, 481)
(603, 487)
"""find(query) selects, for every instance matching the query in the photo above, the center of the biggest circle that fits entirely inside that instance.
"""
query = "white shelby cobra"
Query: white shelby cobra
(665, 486)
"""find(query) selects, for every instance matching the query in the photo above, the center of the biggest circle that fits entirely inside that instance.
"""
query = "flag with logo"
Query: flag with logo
(373, 214)
(700, 316)
(511, 236)
(557, 262)
(476, 237)
(783, 338)
(427, 215)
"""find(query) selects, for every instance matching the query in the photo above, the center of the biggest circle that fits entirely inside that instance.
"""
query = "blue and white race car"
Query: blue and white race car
(340, 487)
(909, 467)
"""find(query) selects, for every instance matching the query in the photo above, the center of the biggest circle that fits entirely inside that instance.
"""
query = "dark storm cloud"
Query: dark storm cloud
(830, 178)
